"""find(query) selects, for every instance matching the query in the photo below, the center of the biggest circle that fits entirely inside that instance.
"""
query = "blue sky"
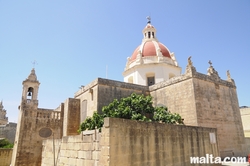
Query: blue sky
(74, 41)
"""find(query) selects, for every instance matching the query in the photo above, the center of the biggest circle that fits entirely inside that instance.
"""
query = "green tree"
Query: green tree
(135, 107)
(4, 143)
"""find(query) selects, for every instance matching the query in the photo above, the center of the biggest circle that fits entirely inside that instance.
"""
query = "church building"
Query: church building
(203, 100)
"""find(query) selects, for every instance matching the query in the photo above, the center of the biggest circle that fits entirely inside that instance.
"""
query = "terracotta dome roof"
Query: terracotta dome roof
(149, 49)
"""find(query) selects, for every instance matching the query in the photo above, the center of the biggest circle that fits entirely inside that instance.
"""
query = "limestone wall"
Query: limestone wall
(101, 92)
(178, 95)
(207, 101)
(248, 144)
(73, 150)
(128, 142)
(8, 131)
(34, 127)
(245, 116)
(108, 90)
(217, 106)
(71, 119)
(5, 157)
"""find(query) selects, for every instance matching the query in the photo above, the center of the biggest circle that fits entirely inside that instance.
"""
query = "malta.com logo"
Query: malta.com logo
(210, 159)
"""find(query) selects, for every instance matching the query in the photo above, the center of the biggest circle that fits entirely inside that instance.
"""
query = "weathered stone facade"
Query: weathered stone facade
(101, 92)
(207, 101)
(5, 156)
(127, 142)
(8, 131)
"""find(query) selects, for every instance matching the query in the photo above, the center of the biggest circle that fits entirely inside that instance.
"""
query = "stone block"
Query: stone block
(96, 145)
(80, 162)
(84, 154)
(95, 155)
(87, 138)
(86, 146)
(72, 162)
(89, 162)
(72, 153)
(105, 151)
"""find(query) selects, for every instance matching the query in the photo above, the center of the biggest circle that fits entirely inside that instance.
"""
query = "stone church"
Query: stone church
(7, 129)
(201, 99)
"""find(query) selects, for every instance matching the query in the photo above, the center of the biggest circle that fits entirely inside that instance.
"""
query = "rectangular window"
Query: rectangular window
(212, 138)
(151, 81)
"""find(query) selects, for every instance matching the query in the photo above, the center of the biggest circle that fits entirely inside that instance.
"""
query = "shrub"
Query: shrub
(135, 107)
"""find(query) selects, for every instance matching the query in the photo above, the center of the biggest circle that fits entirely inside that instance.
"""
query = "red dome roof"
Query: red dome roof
(150, 50)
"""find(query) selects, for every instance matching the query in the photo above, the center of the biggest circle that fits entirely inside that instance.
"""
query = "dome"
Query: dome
(150, 48)
(151, 62)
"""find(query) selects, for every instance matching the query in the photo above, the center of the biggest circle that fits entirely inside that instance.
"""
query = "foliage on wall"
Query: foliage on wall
(135, 107)
(4, 143)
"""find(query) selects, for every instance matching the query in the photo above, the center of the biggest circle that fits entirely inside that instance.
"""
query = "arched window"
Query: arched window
(30, 93)
(149, 35)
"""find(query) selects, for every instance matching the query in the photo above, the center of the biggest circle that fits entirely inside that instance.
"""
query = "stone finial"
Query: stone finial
(229, 79)
(190, 69)
(211, 71)
(228, 75)
(190, 63)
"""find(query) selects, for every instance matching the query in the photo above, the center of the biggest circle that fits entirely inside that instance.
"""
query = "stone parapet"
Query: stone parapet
(118, 84)
(5, 157)
(190, 75)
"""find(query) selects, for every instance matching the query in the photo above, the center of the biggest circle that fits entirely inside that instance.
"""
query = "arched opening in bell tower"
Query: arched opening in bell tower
(30, 93)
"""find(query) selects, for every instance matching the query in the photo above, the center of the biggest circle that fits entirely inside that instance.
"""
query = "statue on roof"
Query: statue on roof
(190, 63)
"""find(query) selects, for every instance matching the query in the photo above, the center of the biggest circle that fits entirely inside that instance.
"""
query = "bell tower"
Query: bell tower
(26, 126)
(30, 90)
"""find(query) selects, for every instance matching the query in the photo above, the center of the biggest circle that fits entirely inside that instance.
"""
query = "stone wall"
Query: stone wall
(207, 101)
(247, 140)
(245, 116)
(137, 143)
(34, 127)
(178, 95)
(71, 119)
(116, 90)
(127, 142)
(8, 131)
(101, 92)
(217, 106)
(73, 150)
(5, 157)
